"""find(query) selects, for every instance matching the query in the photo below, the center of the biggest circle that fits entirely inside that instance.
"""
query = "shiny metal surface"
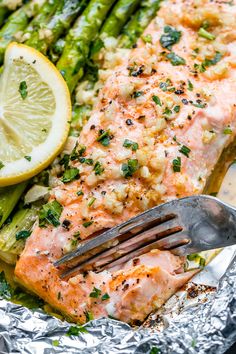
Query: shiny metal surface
(185, 226)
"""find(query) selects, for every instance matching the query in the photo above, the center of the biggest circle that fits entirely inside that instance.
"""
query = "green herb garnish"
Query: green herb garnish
(104, 137)
(1, 165)
(137, 94)
(227, 130)
(130, 144)
(175, 59)
(185, 150)
(155, 350)
(50, 214)
(157, 100)
(98, 169)
(190, 85)
(89, 316)
(105, 297)
(170, 37)
(79, 193)
(75, 330)
(147, 38)
(176, 164)
(23, 90)
(28, 158)
(130, 168)
(87, 224)
(55, 343)
(70, 175)
(177, 109)
(92, 200)
(205, 34)
(95, 293)
(21, 235)
(5, 288)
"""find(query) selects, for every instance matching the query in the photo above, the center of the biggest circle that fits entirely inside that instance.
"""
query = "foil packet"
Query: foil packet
(199, 319)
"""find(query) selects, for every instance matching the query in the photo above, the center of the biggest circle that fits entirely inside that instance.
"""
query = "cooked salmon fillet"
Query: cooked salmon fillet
(161, 122)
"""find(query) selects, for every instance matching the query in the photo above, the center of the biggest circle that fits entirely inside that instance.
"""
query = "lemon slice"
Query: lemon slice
(35, 110)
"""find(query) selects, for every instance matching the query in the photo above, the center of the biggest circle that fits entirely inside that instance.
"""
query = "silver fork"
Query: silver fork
(184, 226)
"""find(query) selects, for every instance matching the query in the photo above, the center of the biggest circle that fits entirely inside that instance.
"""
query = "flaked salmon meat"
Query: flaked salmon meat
(162, 120)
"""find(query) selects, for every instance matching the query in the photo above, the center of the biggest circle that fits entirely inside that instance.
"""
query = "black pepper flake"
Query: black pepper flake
(126, 287)
(189, 118)
(129, 122)
(179, 92)
(185, 101)
(135, 261)
(92, 127)
(66, 224)
(103, 192)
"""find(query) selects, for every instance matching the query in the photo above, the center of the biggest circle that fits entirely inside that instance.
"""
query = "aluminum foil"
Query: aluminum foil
(206, 324)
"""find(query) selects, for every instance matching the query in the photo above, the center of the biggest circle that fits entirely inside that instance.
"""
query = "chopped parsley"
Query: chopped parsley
(98, 169)
(28, 158)
(81, 152)
(65, 160)
(79, 193)
(170, 37)
(208, 62)
(227, 130)
(185, 150)
(157, 100)
(166, 86)
(87, 224)
(1, 165)
(77, 235)
(5, 288)
(50, 214)
(176, 164)
(104, 137)
(23, 90)
(95, 293)
(92, 200)
(130, 144)
(55, 342)
(190, 85)
(105, 297)
(175, 59)
(70, 175)
(167, 112)
(205, 34)
(155, 350)
(75, 330)
(137, 94)
(89, 316)
(86, 161)
(129, 168)
(199, 105)
(177, 109)
(147, 38)
(22, 235)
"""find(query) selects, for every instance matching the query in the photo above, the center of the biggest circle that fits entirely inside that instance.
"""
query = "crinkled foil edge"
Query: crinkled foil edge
(205, 328)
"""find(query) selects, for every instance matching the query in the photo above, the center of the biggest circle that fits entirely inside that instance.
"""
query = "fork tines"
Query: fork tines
(139, 235)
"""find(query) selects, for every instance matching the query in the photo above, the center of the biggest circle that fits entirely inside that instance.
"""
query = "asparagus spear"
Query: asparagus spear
(17, 22)
(9, 196)
(133, 30)
(78, 41)
(131, 33)
(66, 13)
(13, 235)
(47, 10)
(115, 22)
(4, 11)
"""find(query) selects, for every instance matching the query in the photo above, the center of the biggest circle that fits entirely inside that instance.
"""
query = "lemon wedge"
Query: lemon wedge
(35, 110)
